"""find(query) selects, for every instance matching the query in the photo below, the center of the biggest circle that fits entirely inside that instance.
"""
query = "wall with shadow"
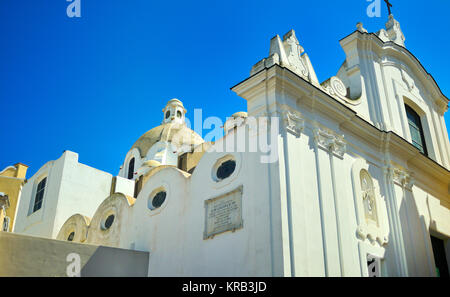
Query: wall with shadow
(22, 255)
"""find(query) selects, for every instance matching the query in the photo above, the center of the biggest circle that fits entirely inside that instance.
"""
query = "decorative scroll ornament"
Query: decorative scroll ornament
(294, 53)
(288, 52)
(330, 141)
(335, 87)
(294, 122)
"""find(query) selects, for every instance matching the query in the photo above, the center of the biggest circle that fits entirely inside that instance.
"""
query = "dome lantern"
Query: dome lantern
(174, 112)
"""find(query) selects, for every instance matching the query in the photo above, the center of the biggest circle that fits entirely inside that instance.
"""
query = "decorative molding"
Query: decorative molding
(288, 52)
(330, 142)
(335, 87)
(294, 53)
(293, 122)
(401, 177)
(364, 233)
(441, 109)
(410, 84)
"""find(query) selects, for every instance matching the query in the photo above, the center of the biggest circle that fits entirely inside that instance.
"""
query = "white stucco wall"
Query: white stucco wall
(125, 186)
(303, 214)
(71, 188)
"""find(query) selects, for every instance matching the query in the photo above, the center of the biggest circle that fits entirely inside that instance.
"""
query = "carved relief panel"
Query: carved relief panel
(370, 207)
(368, 198)
(372, 229)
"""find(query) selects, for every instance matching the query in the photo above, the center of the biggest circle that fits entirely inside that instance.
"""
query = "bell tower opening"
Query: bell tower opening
(174, 112)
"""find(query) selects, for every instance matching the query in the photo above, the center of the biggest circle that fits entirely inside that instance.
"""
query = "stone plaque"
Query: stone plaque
(223, 213)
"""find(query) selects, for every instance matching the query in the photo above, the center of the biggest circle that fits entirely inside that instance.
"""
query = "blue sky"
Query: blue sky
(95, 84)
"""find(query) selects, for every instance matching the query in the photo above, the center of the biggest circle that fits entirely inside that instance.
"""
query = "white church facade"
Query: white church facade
(353, 179)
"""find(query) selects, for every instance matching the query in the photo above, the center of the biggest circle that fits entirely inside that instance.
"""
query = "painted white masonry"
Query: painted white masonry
(347, 183)
(71, 188)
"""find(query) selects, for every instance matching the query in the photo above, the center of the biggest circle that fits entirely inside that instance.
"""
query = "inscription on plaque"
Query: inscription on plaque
(223, 213)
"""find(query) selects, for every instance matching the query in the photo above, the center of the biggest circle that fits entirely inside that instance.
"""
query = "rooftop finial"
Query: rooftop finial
(360, 27)
(393, 32)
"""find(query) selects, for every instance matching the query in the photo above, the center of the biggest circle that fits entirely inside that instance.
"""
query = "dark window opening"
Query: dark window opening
(131, 169)
(6, 222)
(39, 195)
(440, 258)
(179, 114)
(108, 222)
(71, 236)
(167, 114)
(159, 199)
(416, 129)
(226, 169)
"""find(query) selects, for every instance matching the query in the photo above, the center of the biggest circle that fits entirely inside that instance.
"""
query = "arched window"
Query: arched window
(71, 236)
(39, 195)
(415, 127)
(131, 169)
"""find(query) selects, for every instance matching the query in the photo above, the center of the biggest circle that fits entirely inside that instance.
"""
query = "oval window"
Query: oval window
(226, 169)
(108, 222)
(158, 199)
(71, 236)
(179, 114)
(167, 114)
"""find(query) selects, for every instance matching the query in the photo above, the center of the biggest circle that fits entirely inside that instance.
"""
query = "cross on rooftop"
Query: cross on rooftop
(389, 5)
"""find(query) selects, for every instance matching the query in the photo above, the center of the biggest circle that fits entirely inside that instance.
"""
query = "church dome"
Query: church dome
(177, 134)
(173, 130)
(240, 114)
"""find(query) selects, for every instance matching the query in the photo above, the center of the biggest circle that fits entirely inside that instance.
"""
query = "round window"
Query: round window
(71, 236)
(179, 114)
(108, 222)
(167, 114)
(158, 199)
(226, 169)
